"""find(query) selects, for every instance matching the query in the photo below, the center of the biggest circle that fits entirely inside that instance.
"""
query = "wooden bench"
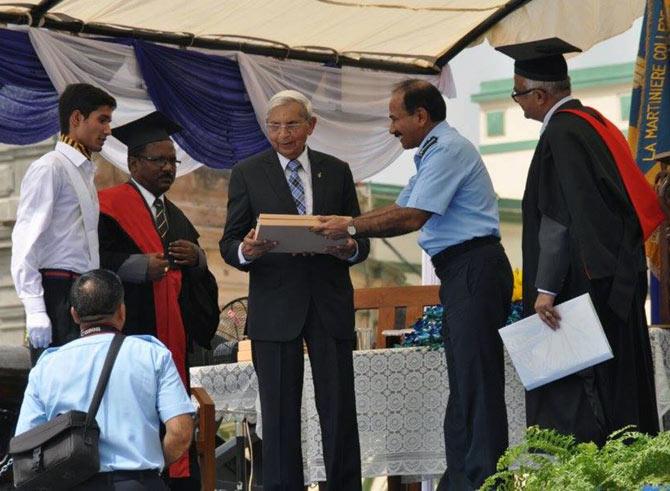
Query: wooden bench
(205, 438)
(391, 303)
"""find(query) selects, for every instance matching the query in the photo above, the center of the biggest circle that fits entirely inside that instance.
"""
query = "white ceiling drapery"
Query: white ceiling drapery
(110, 66)
(413, 33)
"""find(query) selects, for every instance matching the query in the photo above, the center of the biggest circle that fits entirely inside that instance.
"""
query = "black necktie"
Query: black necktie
(161, 219)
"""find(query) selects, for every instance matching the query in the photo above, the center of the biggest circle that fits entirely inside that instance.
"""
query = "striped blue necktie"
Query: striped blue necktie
(297, 189)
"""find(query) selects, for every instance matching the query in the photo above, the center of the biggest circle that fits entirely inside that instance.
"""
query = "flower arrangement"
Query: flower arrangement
(518, 289)
(427, 331)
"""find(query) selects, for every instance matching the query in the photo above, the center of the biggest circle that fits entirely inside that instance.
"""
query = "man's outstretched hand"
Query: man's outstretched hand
(332, 226)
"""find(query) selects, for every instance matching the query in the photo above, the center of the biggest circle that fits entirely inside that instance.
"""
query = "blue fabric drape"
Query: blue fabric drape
(205, 94)
(28, 99)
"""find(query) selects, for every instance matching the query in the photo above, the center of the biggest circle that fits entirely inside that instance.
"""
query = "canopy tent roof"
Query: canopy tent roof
(413, 36)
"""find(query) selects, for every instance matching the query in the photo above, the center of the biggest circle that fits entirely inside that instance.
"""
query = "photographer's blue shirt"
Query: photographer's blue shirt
(452, 183)
(144, 389)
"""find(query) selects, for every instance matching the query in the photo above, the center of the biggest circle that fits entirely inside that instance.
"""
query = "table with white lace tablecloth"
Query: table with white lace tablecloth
(401, 396)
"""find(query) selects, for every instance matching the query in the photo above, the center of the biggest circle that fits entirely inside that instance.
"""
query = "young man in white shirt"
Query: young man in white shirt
(55, 236)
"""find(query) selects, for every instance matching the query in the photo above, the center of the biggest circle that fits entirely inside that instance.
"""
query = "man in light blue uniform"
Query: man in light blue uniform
(144, 389)
(451, 199)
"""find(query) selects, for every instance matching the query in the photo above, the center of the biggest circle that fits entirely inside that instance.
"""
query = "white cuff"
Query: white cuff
(34, 305)
(540, 290)
(240, 256)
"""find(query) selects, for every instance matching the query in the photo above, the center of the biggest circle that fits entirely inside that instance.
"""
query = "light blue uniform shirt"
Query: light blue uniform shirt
(452, 183)
(144, 388)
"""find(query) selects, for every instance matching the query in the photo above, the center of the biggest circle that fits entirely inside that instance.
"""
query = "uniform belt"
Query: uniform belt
(442, 257)
(116, 476)
(61, 274)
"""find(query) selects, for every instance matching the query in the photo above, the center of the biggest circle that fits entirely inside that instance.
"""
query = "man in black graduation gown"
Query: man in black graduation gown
(153, 247)
(581, 234)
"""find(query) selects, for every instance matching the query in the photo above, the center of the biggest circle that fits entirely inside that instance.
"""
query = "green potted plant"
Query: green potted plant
(545, 459)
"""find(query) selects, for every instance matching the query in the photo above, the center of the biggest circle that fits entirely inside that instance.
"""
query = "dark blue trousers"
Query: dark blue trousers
(476, 293)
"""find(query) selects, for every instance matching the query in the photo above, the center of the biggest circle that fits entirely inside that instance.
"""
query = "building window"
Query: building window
(495, 123)
(624, 101)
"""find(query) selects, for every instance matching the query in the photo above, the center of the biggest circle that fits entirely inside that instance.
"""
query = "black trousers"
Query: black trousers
(123, 481)
(476, 293)
(279, 368)
(57, 301)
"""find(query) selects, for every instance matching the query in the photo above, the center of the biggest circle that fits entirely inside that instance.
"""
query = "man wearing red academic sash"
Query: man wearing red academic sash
(149, 242)
(586, 212)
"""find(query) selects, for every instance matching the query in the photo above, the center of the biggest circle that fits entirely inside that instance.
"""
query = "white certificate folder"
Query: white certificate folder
(542, 355)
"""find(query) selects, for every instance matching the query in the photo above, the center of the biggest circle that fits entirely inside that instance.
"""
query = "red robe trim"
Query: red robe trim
(640, 192)
(127, 207)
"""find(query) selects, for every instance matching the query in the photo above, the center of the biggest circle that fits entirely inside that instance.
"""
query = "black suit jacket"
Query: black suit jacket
(281, 286)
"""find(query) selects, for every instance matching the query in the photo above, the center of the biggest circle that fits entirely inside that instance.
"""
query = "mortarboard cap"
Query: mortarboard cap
(540, 60)
(148, 129)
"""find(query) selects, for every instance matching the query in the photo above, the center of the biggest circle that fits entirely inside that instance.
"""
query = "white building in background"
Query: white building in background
(507, 139)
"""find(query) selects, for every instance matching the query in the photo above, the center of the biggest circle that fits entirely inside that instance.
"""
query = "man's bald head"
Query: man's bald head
(96, 296)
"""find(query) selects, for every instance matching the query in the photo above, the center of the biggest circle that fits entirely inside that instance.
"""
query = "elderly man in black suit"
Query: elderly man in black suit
(296, 298)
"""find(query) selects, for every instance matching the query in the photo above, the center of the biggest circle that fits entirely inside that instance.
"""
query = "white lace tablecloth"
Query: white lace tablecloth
(401, 397)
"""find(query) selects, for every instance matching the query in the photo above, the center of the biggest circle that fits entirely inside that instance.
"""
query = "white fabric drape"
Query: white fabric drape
(582, 24)
(110, 66)
(351, 106)
(416, 31)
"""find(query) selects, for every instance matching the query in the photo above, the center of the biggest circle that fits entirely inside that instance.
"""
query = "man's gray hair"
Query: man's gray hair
(554, 88)
(288, 96)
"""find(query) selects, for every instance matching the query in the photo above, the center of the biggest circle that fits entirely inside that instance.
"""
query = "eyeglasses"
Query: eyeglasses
(290, 127)
(161, 161)
(516, 94)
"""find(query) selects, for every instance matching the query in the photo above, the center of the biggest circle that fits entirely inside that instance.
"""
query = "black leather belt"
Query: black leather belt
(442, 257)
(116, 476)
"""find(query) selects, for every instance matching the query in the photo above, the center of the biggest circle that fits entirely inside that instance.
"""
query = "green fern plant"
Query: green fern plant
(546, 459)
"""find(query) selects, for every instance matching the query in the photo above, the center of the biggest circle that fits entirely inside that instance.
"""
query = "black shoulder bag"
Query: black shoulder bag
(63, 452)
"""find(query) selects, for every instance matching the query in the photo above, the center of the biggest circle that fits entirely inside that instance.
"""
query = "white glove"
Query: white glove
(39, 329)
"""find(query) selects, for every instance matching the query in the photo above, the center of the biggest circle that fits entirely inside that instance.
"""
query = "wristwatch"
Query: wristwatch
(351, 229)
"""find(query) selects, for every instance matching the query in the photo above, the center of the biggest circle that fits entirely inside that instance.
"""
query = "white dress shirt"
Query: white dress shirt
(49, 230)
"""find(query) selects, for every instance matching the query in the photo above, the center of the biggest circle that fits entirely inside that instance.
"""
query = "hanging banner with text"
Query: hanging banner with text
(648, 135)
(649, 132)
